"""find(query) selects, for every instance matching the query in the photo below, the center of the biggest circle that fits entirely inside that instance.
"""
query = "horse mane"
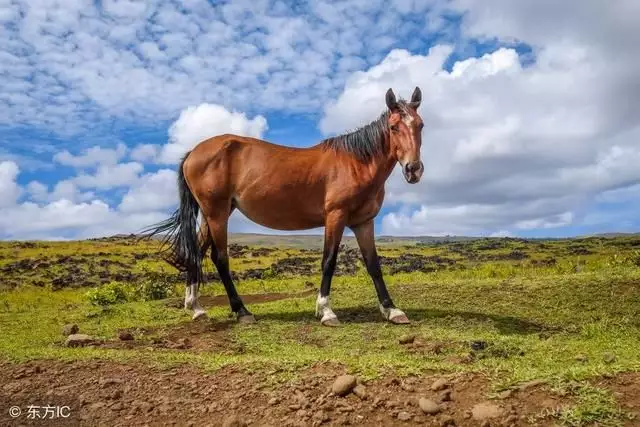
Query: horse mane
(366, 142)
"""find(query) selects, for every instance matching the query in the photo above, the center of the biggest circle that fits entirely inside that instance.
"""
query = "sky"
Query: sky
(531, 108)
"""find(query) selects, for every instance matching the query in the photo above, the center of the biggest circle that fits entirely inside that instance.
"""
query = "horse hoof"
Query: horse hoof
(400, 320)
(333, 322)
(247, 318)
(199, 315)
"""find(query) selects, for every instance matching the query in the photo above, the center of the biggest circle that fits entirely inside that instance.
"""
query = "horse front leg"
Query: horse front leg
(366, 241)
(334, 227)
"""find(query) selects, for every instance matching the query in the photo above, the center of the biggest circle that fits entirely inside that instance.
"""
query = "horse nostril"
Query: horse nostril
(413, 166)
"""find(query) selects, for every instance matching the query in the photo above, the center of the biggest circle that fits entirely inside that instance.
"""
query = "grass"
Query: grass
(548, 310)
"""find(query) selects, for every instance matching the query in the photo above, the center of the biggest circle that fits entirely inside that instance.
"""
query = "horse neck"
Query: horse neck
(381, 165)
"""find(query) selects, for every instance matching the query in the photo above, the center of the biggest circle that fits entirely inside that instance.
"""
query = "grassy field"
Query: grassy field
(566, 312)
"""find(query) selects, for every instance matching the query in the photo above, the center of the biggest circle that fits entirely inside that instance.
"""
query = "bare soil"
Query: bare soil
(108, 393)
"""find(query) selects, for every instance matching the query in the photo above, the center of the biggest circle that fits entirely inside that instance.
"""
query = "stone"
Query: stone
(125, 336)
(407, 339)
(439, 384)
(78, 340)
(404, 416)
(360, 391)
(428, 406)
(343, 385)
(485, 411)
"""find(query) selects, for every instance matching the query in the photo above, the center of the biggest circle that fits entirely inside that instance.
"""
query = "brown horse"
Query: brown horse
(337, 183)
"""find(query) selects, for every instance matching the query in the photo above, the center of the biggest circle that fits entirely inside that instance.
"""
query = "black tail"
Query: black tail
(180, 233)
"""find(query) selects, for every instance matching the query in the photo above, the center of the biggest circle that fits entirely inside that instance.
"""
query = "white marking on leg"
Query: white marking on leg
(191, 300)
(390, 313)
(323, 307)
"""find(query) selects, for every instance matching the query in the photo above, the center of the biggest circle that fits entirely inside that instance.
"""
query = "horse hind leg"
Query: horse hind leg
(192, 286)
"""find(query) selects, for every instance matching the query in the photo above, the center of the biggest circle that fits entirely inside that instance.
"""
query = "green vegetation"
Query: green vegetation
(566, 311)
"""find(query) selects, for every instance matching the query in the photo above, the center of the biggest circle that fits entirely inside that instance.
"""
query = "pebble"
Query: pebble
(582, 358)
(447, 420)
(609, 357)
(485, 411)
(428, 406)
(505, 394)
(343, 385)
(445, 396)
(407, 339)
(70, 329)
(360, 391)
(439, 384)
(78, 340)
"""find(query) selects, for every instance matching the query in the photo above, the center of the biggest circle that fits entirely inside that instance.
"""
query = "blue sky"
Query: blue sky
(531, 126)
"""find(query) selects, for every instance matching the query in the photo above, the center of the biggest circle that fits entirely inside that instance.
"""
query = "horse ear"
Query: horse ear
(416, 98)
(390, 97)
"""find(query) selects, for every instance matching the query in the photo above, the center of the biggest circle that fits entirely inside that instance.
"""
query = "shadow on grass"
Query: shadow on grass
(507, 325)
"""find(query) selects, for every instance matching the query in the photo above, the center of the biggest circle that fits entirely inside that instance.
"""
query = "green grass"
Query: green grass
(536, 318)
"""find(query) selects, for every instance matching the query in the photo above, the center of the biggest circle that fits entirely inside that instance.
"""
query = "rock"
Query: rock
(70, 329)
(439, 384)
(407, 339)
(125, 336)
(360, 391)
(343, 385)
(233, 421)
(428, 406)
(609, 357)
(321, 416)
(404, 416)
(447, 420)
(485, 411)
(273, 401)
(78, 340)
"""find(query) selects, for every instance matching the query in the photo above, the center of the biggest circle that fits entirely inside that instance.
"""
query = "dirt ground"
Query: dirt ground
(107, 393)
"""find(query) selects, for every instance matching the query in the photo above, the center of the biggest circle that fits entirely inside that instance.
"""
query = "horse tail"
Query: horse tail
(180, 232)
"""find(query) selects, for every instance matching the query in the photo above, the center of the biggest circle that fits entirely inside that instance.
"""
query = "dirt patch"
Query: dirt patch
(108, 393)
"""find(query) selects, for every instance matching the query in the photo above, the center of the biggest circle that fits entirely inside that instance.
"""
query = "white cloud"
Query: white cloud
(9, 190)
(196, 124)
(155, 191)
(145, 153)
(507, 146)
(92, 157)
(110, 176)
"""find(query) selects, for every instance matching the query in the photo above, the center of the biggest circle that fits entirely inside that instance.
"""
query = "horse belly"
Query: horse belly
(282, 211)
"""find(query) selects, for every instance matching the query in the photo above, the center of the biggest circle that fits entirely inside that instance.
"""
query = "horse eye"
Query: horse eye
(421, 126)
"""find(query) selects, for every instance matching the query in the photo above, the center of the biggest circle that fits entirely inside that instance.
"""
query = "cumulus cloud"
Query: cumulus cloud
(198, 123)
(9, 190)
(91, 157)
(110, 176)
(508, 146)
(154, 191)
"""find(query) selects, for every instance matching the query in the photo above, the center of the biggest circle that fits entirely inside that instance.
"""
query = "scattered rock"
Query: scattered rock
(361, 392)
(273, 401)
(321, 416)
(78, 340)
(343, 385)
(233, 421)
(485, 411)
(440, 384)
(428, 406)
(125, 336)
(404, 416)
(609, 357)
(407, 339)
(70, 329)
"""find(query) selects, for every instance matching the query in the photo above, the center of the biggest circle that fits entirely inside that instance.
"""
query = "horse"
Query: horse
(336, 183)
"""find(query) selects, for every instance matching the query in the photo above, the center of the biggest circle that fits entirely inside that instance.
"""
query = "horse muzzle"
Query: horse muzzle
(412, 171)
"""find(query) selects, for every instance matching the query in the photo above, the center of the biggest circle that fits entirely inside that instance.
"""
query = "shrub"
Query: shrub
(149, 290)
(110, 293)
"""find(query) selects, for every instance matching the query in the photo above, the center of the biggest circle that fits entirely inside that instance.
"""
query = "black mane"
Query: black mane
(365, 142)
